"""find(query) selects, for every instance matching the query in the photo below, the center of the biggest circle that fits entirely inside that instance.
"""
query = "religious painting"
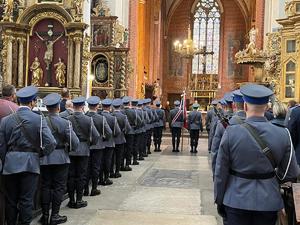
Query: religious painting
(101, 35)
(47, 49)
(100, 69)
(175, 62)
(234, 45)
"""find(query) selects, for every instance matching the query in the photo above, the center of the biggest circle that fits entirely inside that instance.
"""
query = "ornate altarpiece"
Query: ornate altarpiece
(109, 50)
(43, 44)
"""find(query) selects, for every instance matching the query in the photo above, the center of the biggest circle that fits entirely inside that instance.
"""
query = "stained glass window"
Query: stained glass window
(207, 21)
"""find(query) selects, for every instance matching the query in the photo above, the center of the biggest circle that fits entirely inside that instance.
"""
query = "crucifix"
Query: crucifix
(50, 38)
(203, 51)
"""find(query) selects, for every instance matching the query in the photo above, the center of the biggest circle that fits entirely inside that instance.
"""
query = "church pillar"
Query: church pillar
(70, 62)
(21, 63)
(9, 61)
(77, 61)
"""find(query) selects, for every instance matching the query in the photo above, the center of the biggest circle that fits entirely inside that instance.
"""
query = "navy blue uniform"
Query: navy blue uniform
(194, 126)
(294, 128)
(176, 127)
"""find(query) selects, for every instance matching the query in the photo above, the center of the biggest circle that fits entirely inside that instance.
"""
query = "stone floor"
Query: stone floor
(165, 189)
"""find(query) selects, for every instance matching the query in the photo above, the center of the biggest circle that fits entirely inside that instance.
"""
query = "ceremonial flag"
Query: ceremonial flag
(182, 110)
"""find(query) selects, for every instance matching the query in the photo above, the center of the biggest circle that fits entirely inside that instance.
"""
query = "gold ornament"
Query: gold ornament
(37, 72)
(60, 72)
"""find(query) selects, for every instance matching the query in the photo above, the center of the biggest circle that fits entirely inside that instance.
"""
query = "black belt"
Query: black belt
(256, 176)
(31, 150)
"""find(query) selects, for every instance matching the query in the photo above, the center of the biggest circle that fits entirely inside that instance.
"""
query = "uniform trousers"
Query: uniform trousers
(176, 135)
(246, 217)
(142, 144)
(149, 139)
(106, 163)
(53, 186)
(117, 158)
(157, 135)
(128, 148)
(194, 135)
(94, 165)
(136, 145)
(77, 176)
(20, 189)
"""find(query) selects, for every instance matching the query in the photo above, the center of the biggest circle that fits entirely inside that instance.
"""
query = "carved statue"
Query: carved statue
(48, 57)
(290, 8)
(37, 72)
(251, 48)
(119, 34)
(8, 11)
(60, 72)
(78, 6)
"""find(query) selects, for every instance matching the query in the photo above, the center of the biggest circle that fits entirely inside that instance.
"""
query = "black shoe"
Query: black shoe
(95, 192)
(57, 219)
(145, 155)
(149, 153)
(135, 163)
(191, 151)
(71, 205)
(44, 220)
(118, 175)
(141, 158)
(86, 192)
(112, 175)
(108, 182)
(122, 169)
(195, 151)
(81, 204)
(127, 168)
(177, 150)
(173, 150)
(101, 183)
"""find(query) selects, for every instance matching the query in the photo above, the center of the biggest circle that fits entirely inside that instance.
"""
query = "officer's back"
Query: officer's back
(176, 122)
(195, 120)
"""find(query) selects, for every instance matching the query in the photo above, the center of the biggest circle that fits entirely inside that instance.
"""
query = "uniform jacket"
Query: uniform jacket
(63, 134)
(134, 120)
(294, 128)
(141, 128)
(102, 128)
(195, 121)
(237, 118)
(156, 118)
(179, 122)
(240, 152)
(16, 151)
(161, 117)
(86, 132)
(114, 126)
(123, 124)
(148, 116)
(209, 118)
(65, 114)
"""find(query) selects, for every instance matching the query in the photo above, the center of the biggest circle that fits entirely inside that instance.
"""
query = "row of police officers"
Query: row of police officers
(251, 157)
(70, 150)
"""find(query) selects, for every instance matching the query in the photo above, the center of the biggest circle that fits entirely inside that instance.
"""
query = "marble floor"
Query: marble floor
(165, 189)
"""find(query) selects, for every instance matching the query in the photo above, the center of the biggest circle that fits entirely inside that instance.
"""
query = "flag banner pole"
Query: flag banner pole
(184, 117)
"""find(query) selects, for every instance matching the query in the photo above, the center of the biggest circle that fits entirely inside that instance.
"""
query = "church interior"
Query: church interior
(151, 48)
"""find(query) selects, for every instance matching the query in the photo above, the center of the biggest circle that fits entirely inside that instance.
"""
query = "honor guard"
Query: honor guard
(253, 158)
(69, 110)
(54, 167)
(120, 140)
(97, 150)
(138, 131)
(294, 127)
(208, 121)
(153, 119)
(147, 130)
(109, 143)
(194, 126)
(24, 137)
(135, 122)
(158, 129)
(176, 124)
(88, 136)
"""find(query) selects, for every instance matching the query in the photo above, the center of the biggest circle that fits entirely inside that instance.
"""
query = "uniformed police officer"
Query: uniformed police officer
(153, 117)
(97, 150)
(294, 127)
(120, 140)
(69, 110)
(176, 124)
(20, 150)
(88, 135)
(194, 126)
(158, 129)
(54, 167)
(147, 127)
(135, 122)
(237, 118)
(246, 182)
(109, 143)
(208, 121)
(138, 131)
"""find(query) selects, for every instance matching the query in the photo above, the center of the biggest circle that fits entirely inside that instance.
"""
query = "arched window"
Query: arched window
(207, 20)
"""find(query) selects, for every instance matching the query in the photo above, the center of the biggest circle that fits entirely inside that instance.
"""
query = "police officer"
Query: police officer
(97, 150)
(236, 118)
(158, 129)
(147, 128)
(69, 110)
(120, 140)
(246, 182)
(24, 137)
(135, 122)
(194, 126)
(208, 121)
(54, 167)
(138, 131)
(153, 122)
(176, 124)
(88, 135)
(109, 143)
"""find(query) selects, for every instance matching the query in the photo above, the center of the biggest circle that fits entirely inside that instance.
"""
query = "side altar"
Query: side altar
(43, 45)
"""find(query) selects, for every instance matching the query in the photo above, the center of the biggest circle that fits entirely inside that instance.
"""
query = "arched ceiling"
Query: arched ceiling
(171, 6)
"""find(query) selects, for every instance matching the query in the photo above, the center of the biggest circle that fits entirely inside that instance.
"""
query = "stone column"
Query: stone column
(8, 78)
(70, 63)
(77, 65)
(21, 63)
